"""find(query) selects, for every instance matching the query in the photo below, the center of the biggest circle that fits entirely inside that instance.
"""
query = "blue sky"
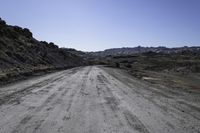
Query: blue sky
(92, 25)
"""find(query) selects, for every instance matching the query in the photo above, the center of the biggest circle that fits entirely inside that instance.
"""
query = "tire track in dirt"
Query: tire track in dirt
(134, 122)
(167, 104)
(37, 115)
(114, 104)
(17, 95)
(33, 113)
(90, 99)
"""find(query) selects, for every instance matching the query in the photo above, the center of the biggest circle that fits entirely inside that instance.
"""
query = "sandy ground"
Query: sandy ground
(96, 99)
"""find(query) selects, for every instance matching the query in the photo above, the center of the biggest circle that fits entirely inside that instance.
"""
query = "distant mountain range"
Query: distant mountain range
(139, 49)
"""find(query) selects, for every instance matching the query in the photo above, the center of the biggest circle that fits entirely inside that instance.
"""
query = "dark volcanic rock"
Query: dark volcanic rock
(2, 22)
(20, 53)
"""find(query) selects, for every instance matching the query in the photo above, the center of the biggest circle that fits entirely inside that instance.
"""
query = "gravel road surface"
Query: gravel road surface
(96, 99)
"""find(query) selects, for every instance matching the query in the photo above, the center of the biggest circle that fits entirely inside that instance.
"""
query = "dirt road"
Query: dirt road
(96, 100)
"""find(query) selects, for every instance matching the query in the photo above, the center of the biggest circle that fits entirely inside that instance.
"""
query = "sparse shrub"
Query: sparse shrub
(2, 22)
(19, 57)
(124, 61)
(9, 53)
(10, 48)
(128, 65)
(45, 54)
(117, 65)
(11, 33)
(27, 33)
(52, 45)
(150, 53)
(44, 42)
(21, 48)
(17, 28)
(2, 43)
(31, 41)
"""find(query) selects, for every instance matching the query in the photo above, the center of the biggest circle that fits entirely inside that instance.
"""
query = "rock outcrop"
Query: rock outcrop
(21, 54)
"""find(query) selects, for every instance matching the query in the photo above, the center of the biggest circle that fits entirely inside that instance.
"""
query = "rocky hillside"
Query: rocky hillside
(139, 50)
(22, 55)
(157, 59)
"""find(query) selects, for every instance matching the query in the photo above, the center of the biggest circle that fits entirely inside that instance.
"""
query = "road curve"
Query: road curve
(96, 99)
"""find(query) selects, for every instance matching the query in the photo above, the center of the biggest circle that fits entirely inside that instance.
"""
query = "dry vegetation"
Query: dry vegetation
(175, 70)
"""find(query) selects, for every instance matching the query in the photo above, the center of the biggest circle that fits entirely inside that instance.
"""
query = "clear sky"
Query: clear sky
(92, 25)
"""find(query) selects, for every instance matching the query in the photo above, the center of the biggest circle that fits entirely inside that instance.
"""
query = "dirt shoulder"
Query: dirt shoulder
(14, 75)
(187, 82)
